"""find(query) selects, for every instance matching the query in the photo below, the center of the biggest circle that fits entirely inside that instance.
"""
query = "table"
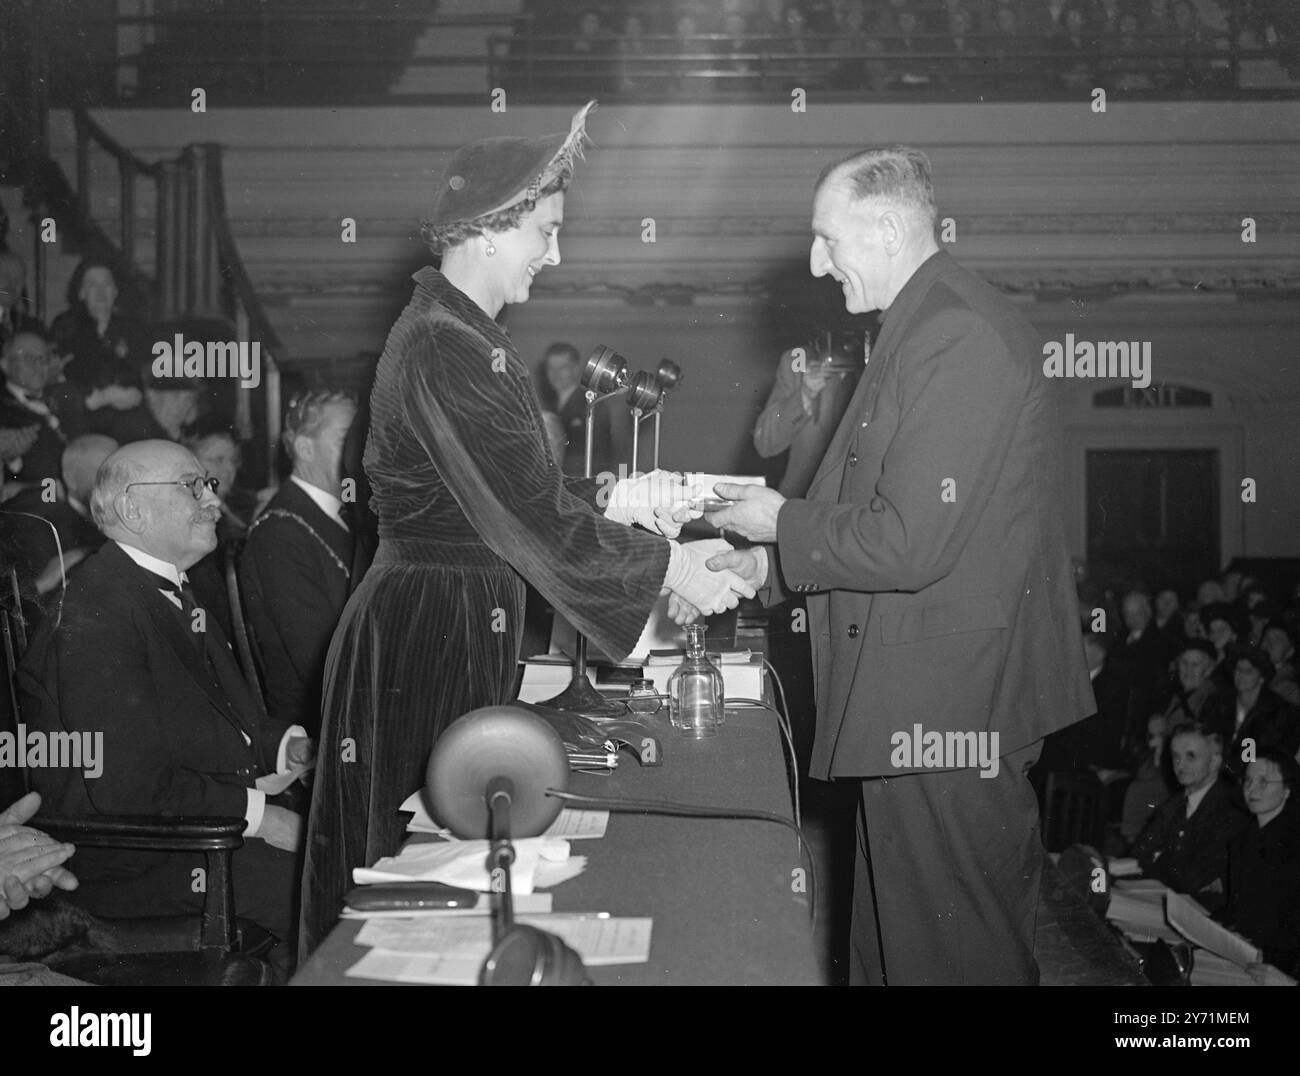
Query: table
(727, 897)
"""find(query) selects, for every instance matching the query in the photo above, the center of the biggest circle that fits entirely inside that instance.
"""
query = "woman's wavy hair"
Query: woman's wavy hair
(442, 237)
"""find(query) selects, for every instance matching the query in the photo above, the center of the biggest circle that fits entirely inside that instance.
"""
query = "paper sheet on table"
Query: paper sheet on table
(1123, 868)
(525, 904)
(1139, 912)
(462, 863)
(1211, 970)
(571, 825)
(453, 950)
(1190, 920)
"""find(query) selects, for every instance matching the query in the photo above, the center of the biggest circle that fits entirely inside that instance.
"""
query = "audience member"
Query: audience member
(26, 404)
(1196, 687)
(134, 663)
(1252, 717)
(1142, 657)
(1096, 742)
(559, 390)
(803, 408)
(1278, 642)
(1185, 844)
(1130, 55)
(217, 449)
(296, 564)
(63, 521)
(1263, 884)
(1150, 785)
(1168, 619)
(105, 349)
(1224, 629)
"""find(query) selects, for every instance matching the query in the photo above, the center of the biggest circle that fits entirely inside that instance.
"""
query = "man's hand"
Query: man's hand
(750, 564)
(118, 397)
(815, 377)
(281, 828)
(18, 814)
(300, 751)
(752, 516)
(707, 591)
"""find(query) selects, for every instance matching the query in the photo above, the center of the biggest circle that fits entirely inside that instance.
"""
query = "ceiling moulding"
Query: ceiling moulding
(610, 280)
(970, 225)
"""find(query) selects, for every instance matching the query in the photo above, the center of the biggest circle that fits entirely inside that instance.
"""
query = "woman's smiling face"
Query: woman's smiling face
(523, 251)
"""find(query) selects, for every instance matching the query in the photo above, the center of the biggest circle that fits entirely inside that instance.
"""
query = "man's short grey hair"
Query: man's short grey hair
(897, 174)
(112, 478)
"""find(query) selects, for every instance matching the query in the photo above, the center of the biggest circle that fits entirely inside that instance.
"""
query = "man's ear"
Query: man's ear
(304, 448)
(127, 510)
(893, 230)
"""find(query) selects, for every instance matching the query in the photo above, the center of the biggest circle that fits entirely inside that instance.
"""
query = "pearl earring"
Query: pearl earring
(490, 249)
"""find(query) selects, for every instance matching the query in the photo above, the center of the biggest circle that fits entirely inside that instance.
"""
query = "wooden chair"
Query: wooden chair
(1074, 810)
(211, 949)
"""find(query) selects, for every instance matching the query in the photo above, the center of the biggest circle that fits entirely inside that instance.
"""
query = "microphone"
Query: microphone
(488, 776)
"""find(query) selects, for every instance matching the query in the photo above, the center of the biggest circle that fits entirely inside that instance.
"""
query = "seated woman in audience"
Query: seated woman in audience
(1185, 845)
(106, 349)
(1263, 889)
(1252, 717)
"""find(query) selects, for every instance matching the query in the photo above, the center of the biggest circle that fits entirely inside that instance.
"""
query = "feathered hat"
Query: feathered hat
(497, 173)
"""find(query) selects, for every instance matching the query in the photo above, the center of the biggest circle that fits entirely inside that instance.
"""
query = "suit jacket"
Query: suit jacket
(1189, 854)
(294, 574)
(1271, 722)
(573, 417)
(45, 457)
(120, 663)
(931, 540)
(1263, 899)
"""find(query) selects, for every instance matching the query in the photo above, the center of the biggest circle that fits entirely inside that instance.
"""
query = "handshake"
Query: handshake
(702, 582)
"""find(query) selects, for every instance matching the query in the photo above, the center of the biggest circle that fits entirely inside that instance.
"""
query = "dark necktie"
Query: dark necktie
(189, 605)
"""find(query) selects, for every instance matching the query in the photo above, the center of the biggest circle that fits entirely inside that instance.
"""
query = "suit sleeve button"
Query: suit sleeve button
(853, 631)
(853, 459)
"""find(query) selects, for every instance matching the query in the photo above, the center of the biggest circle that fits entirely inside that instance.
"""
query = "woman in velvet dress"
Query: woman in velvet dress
(471, 503)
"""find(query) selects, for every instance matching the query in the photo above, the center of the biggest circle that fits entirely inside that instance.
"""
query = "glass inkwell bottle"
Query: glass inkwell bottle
(695, 692)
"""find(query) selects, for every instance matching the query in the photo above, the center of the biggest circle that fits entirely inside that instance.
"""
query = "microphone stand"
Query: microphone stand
(605, 371)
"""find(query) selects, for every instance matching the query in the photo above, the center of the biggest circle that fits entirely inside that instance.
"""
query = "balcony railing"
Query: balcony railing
(270, 57)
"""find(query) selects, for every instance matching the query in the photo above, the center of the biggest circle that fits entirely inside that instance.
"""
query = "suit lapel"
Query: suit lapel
(333, 535)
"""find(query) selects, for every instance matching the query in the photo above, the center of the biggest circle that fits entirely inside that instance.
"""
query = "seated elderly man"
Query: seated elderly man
(26, 403)
(1185, 844)
(134, 664)
(1196, 685)
(297, 563)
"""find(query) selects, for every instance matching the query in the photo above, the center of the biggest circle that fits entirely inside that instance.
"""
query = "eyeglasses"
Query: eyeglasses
(194, 485)
(1261, 782)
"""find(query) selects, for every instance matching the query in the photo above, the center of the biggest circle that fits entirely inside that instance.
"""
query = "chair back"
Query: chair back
(1073, 810)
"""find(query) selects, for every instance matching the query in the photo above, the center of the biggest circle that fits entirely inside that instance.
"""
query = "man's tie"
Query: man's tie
(189, 605)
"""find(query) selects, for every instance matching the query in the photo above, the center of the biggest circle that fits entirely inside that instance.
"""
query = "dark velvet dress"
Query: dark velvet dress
(470, 504)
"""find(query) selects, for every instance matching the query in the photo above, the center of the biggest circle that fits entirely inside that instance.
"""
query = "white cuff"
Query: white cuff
(281, 762)
(256, 809)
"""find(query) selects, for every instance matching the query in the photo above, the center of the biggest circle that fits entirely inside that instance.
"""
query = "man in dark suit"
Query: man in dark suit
(297, 562)
(559, 390)
(1141, 655)
(133, 664)
(26, 404)
(940, 594)
(1185, 844)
